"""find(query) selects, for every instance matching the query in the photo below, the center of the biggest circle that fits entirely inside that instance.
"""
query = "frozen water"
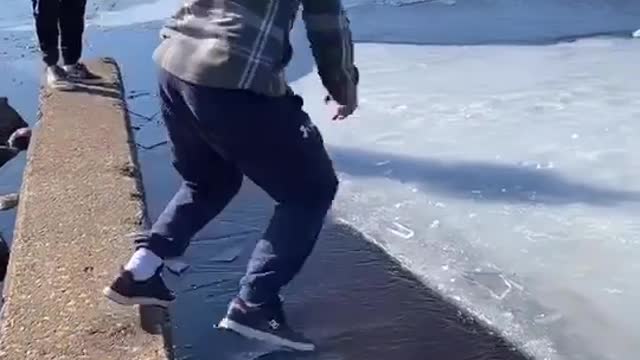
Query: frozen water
(176, 266)
(16, 14)
(494, 21)
(506, 177)
(136, 12)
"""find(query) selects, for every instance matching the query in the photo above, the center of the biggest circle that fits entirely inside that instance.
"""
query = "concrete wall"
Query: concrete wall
(81, 194)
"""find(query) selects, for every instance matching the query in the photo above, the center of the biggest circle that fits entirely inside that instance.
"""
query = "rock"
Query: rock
(10, 120)
(8, 201)
(176, 266)
(20, 139)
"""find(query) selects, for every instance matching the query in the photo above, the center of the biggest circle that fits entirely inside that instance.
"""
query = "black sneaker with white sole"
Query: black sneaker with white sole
(125, 290)
(264, 324)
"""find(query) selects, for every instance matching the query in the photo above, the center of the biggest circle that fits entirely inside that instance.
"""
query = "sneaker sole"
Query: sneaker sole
(86, 81)
(263, 336)
(123, 300)
(62, 87)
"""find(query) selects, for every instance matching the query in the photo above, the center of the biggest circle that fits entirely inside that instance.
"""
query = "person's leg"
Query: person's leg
(275, 144)
(71, 29)
(299, 175)
(286, 157)
(47, 14)
(72, 13)
(209, 181)
(209, 184)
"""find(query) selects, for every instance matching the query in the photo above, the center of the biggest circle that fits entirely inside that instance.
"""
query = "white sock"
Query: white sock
(143, 264)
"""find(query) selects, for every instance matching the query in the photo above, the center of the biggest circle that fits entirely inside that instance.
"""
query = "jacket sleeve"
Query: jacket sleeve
(329, 33)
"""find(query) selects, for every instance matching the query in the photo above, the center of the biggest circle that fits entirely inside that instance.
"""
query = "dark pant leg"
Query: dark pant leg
(209, 181)
(46, 14)
(273, 142)
(71, 29)
(301, 178)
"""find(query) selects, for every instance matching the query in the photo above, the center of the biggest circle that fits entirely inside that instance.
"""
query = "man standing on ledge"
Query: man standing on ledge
(60, 26)
(230, 113)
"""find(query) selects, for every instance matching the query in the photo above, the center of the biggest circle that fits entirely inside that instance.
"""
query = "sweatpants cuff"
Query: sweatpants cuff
(160, 245)
(253, 296)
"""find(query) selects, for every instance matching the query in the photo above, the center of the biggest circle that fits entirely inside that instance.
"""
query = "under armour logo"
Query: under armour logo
(307, 129)
(274, 324)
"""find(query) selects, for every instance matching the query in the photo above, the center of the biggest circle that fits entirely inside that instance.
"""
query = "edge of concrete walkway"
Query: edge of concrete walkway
(81, 195)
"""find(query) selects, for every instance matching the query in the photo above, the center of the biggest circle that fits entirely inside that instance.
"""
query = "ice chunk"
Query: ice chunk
(401, 231)
(176, 266)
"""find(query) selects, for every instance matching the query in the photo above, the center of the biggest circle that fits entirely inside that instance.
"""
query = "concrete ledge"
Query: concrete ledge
(81, 194)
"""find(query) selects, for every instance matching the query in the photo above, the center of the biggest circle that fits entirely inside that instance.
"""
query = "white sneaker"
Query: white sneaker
(78, 71)
(57, 78)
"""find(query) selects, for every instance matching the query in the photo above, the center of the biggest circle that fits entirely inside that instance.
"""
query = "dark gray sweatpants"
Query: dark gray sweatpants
(217, 137)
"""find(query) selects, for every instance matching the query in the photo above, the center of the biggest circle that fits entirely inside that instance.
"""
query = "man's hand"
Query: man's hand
(331, 41)
(348, 105)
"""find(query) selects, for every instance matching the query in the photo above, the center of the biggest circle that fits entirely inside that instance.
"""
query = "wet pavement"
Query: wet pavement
(351, 298)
